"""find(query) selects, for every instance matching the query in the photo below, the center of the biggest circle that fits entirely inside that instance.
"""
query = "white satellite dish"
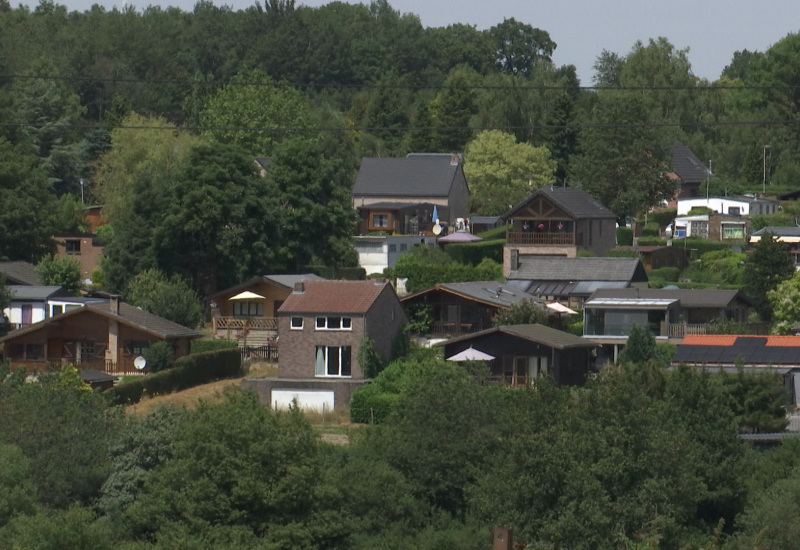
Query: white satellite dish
(437, 229)
(140, 363)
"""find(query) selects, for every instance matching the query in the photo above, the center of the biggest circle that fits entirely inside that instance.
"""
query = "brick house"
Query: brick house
(320, 328)
(85, 248)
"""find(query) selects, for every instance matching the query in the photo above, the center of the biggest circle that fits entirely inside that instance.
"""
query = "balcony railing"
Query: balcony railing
(56, 364)
(442, 328)
(551, 239)
(681, 330)
(238, 324)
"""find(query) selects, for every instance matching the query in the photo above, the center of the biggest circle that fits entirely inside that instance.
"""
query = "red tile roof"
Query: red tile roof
(709, 340)
(783, 341)
(334, 297)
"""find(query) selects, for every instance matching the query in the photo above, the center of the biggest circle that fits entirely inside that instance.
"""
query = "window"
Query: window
(72, 246)
(248, 309)
(57, 310)
(732, 231)
(392, 248)
(332, 361)
(403, 247)
(135, 347)
(734, 211)
(296, 323)
(380, 220)
(34, 352)
(334, 323)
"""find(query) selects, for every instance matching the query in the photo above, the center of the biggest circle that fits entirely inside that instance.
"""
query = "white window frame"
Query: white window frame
(324, 323)
(343, 355)
(292, 326)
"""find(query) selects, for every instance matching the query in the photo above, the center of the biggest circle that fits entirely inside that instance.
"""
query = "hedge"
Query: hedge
(188, 371)
(369, 404)
(474, 253)
(494, 233)
(665, 216)
(651, 229)
(624, 236)
(204, 345)
(671, 274)
(651, 241)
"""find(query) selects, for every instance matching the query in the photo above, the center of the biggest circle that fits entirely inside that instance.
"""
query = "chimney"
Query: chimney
(454, 160)
(113, 303)
(299, 287)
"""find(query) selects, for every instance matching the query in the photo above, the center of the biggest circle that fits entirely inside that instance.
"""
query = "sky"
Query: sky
(712, 30)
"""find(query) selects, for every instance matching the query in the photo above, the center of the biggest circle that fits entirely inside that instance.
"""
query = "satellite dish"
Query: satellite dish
(140, 363)
(437, 229)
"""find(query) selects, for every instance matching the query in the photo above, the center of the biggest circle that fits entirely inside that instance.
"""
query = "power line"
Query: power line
(399, 128)
(334, 85)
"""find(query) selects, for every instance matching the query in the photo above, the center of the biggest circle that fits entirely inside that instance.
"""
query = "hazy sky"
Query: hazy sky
(712, 29)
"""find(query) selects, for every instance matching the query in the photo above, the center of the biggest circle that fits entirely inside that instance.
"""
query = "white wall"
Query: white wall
(319, 401)
(14, 312)
(717, 204)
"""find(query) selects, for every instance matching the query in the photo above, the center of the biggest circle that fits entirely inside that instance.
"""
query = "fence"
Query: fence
(267, 353)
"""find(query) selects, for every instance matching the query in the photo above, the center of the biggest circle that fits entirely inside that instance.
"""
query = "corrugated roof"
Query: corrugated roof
(413, 176)
(19, 273)
(709, 340)
(334, 297)
(732, 349)
(576, 202)
(549, 268)
(711, 298)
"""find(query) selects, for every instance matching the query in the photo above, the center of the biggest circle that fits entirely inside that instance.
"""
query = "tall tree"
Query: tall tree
(519, 46)
(502, 172)
(62, 271)
(625, 159)
(768, 265)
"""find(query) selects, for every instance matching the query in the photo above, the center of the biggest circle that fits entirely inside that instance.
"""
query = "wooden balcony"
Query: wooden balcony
(441, 329)
(238, 324)
(540, 239)
(116, 368)
(681, 330)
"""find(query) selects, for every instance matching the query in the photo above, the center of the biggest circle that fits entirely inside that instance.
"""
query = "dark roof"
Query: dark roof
(709, 298)
(397, 206)
(485, 220)
(38, 293)
(128, 315)
(94, 376)
(350, 297)
(576, 202)
(688, 167)
(540, 334)
(285, 281)
(778, 351)
(413, 176)
(488, 292)
(19, 273)
(556, 268)
(790, 231)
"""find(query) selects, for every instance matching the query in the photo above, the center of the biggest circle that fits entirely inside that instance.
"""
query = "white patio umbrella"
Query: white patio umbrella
(471, 354)
(247, 295)
(561, 308)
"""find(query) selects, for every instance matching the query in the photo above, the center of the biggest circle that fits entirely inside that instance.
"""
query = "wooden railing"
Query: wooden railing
(267, 353)
(240, 323)
(56, 364)
(681, 330)
(441, 328)
(553, 239)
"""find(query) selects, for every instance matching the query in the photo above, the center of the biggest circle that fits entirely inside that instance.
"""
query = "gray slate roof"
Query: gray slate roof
(490, 292)
(38, 293)
(576, 202)
(707, 298)
(413, 176)
(688, 167)
(540, 334)
(548, 268)
(19, 273)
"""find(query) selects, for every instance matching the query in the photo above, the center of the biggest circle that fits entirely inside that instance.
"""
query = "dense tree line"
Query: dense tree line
(117, 107)
(640, 458)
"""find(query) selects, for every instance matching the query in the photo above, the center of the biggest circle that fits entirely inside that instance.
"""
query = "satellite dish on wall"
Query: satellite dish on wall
(437, 229)
(140, 363)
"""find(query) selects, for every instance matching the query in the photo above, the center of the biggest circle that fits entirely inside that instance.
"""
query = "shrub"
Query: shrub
(474, 253)
(371, 405)
(624, 236)
(368, 359)
(622, 254)
(188, 371)
(496, 233)
(203, 345)
(651, 229)
(401, 344)
(651, 241)
(665, 216)
(159, 356)
(671, 274)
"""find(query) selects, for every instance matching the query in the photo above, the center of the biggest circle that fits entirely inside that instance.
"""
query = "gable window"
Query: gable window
(332, 361)
(296, 323)
(334, 323)
(248, 309)
(72, 246)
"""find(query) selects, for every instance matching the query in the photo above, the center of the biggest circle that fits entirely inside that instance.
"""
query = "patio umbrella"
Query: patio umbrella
(247, 295)
(460, 237)
(435, 215)
(560, 308)
(471, 354)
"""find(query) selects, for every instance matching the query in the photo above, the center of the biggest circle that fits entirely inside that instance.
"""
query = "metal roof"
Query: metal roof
(637, 303)
(752, 351)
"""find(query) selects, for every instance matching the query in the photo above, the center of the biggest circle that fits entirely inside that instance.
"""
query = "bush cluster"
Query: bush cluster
(204, 345)
(190, 370)
(474, 253)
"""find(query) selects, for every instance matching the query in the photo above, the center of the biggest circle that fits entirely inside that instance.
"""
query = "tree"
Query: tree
(769, 264)
(520, 46)
(522, 313)
(168, 297)
(369, 361)
(785, 304)
(640, 347)
(60, 271)
(502, 172)
(254, 113)
(17, 493)
(607, 69)
(625, 160)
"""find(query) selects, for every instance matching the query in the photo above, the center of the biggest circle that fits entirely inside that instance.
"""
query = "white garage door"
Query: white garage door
(321, 401)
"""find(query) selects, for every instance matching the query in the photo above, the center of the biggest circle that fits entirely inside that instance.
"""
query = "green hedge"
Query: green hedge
(665, 216)
(702, 245)
(371, 405)
(204, 345)
(188, 371)
(496, 233)
(624, 236)
(651, 241)
(474, 253)
(671, 274)
(651, 229)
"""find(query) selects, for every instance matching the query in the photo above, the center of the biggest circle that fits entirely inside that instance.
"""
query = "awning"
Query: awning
(471, 354)
(561, 308)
